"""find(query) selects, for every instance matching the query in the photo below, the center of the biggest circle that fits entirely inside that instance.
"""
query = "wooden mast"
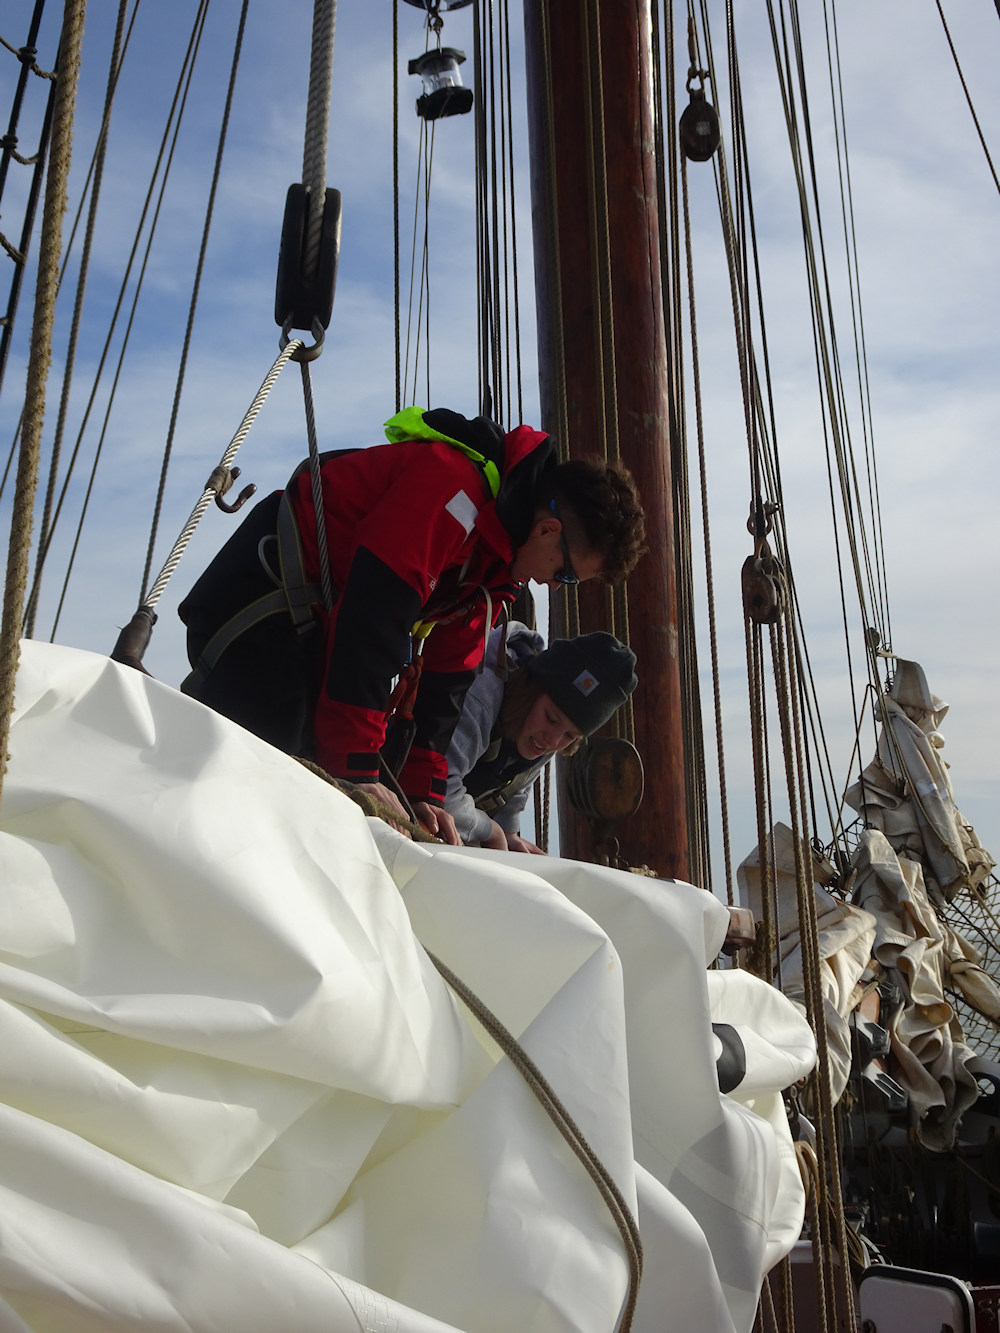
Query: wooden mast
(603, 365)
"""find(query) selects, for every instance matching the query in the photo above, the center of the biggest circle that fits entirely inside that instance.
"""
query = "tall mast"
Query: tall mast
(603, 364)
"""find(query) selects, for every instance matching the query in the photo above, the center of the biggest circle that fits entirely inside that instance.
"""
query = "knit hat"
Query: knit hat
(589, 677)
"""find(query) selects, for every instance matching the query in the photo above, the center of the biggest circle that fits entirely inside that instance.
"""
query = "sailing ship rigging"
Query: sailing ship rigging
(768, 491)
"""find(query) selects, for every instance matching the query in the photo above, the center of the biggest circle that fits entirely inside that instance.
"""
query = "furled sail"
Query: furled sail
(236, 1092)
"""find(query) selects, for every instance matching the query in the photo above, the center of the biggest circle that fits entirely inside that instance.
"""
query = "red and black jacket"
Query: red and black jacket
(414, 534)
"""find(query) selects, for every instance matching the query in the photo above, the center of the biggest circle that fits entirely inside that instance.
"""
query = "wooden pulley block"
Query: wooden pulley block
(761, 579)
(606, 779)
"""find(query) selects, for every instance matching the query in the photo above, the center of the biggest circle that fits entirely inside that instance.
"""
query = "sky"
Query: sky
(926, 218)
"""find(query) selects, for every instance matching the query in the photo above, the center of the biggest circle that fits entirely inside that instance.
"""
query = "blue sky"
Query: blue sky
(927, 216)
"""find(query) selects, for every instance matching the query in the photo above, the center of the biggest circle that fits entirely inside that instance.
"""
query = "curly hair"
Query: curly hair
(602, 502)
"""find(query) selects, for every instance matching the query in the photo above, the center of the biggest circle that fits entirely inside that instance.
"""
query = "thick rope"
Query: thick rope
(217, 483)
(317, 129)
(39, 358)
(100, 155)
(567, 1127)
(176, 110)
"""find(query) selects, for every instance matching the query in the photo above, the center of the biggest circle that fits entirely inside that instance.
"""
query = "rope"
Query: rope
(81, 286)
(40, 356)
(316, 481)
(395, 196)
(27, 59)
(195, 291)
(37, 162)
(707, 539)
(317, 126)
(965, 89)
(564, 612)
(179, 99)
(217, 484)
(567, 1127)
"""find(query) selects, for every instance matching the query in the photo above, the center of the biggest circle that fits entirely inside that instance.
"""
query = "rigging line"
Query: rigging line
(40, 356)
(600, 224)
(502, 243)
(425, 286)
(492, 256)
(211, 490)
(395, 197)
(515, 275)
(195, 293)
(421, 150)
(770, 460)
(847, 466)
(185, 74)
(319, 509)
(564, 612)
(32, 67)
(821, 346)
(815, 712)
(832, 379)
(666, 154)
(707, 543)
(100, 155)
(486, 365)
(857, 315)
(26, 57)
(317, 129)
(807, 896)
(68, 250)
(20, 263)
(558, 1113)
(965, 89)
(38, 162)
(108, 409)
(737, 296)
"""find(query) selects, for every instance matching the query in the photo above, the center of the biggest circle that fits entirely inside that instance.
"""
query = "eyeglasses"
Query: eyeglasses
(567, 575)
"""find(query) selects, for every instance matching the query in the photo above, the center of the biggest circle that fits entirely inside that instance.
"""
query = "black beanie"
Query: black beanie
(589, 677)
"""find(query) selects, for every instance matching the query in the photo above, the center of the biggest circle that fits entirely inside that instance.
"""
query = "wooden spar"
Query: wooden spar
(602, 352)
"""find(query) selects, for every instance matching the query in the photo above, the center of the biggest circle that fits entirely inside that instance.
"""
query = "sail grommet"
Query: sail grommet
(444, 93)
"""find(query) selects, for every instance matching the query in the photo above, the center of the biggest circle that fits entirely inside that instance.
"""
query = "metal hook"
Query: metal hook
(220, 482)
(761, 518)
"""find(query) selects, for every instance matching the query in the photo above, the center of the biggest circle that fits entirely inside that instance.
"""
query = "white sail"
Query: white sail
(237, 1092)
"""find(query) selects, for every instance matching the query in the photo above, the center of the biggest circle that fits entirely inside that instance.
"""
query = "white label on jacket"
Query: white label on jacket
(461, 508)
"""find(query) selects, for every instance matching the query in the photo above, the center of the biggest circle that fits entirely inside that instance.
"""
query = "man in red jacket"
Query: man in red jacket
(432, 531)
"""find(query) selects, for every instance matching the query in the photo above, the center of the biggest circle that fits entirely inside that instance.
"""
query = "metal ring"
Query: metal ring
(303, 353)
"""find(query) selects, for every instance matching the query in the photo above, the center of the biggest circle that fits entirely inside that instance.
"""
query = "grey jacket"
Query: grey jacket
(471, 739)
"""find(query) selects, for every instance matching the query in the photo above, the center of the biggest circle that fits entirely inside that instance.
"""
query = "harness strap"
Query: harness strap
(294, 596)
(301, 597)
(495, 800)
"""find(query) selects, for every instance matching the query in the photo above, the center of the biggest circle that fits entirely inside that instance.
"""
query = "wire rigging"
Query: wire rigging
(164, 161)
(195, 291)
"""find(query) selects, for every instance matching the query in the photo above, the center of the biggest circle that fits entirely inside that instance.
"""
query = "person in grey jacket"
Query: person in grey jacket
(527, 704)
